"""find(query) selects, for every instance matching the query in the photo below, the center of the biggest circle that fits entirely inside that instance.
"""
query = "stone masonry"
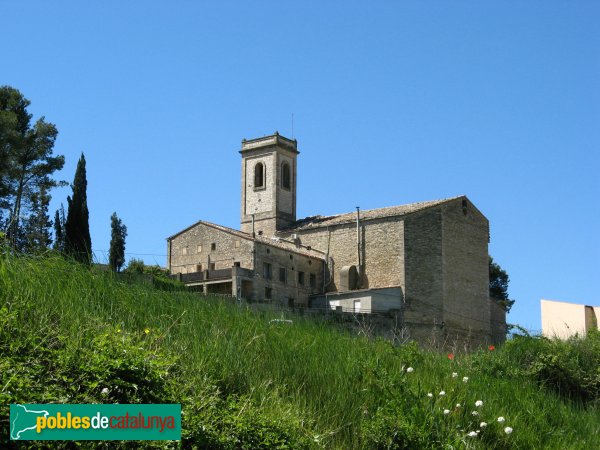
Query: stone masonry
(427, 262)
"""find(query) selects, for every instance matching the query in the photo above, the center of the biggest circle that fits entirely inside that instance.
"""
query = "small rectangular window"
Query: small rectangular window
(290, 302)
(268, 293)
(267, 271)
(199, 249)
(236, 264)
(282, 274)
(184, 251)
(199, 268)
(301, 278)
(213, 246)
(212, 266)
(313, 281)
(237, 244)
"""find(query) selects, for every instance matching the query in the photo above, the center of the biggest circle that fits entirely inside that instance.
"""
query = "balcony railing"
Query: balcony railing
(211, 275)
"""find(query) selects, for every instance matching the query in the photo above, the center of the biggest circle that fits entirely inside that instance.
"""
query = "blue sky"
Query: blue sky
(393, 103)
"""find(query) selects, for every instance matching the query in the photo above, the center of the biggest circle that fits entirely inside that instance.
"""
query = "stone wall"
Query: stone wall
(259, 199)
(273, 205)
(382, 251)
(497, 323)
(192, 251)
(293, 263)
(423, 267)
(286, 198)
(194, 247)
(465, 268)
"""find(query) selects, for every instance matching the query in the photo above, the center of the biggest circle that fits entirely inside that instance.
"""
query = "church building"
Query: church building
(426, 262)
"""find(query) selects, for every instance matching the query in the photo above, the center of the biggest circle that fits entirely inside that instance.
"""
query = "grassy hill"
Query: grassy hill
(73, 335)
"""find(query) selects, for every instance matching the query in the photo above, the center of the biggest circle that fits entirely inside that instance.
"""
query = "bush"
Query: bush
(571, 368)
(235, 423)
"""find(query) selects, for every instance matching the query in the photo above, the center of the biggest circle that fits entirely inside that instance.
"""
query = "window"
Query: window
(236, 264)
(313, 281)
(212, 266)
(199, 268)
(301, 278)
(267, 271)
(268, 293)
(290, 302)
(213, 246)
(285, 176)
(199, 249)
(282, 274)
(259, 175)
(184, 251)
(291, 256)
(237, 244)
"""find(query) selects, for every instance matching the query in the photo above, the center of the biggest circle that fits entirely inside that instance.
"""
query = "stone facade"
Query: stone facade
(228, 261)
(268, 197)
(427, 262)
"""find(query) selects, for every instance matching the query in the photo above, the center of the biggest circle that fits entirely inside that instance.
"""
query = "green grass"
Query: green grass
(68, 332)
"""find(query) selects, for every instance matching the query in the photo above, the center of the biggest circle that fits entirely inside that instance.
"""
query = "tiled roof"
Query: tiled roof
(391, 211)
(237, 233)
(277, 242)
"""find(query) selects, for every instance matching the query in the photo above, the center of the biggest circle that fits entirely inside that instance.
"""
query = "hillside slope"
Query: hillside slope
(72, 335)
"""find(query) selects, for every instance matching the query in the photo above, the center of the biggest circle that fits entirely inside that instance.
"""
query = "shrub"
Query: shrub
(568, 367)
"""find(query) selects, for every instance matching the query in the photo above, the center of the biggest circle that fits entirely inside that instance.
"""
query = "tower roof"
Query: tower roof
(270, 141)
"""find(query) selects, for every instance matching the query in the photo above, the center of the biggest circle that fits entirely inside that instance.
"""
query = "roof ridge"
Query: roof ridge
(317, 220)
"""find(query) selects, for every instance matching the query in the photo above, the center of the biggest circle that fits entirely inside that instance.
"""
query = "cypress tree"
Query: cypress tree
(78, 242)
(118, 233)
(59, 229)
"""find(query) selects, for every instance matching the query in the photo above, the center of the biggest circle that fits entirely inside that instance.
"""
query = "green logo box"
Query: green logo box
(95, 422)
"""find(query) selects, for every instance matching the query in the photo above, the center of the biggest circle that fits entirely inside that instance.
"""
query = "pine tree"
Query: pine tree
(78, 242)
(26, 163)
(118, 233)
(37, 236)
(59, 229)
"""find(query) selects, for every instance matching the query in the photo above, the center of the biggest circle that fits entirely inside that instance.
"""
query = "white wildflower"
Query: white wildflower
(501, 419)
(508, 430)
(482, 425)
(472, 434)
(104, 391)
(478, 403)
(446, 411)
(442, 393)
(454, 374)
(409, 370)
(465, 379)
(474, 413)
(458, 405)
(430, 395)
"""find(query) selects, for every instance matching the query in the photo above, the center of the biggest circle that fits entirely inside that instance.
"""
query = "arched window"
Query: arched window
(259, 175)
(285, 175)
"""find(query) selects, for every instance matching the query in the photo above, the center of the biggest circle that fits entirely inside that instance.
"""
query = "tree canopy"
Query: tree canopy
(26, 167)
(78, 242)
(118, 233)
(499, 280)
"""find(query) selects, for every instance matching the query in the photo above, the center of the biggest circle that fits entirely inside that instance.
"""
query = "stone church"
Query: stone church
(426, 263)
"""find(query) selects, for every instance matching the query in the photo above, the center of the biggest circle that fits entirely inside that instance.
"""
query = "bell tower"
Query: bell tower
(268, 184)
